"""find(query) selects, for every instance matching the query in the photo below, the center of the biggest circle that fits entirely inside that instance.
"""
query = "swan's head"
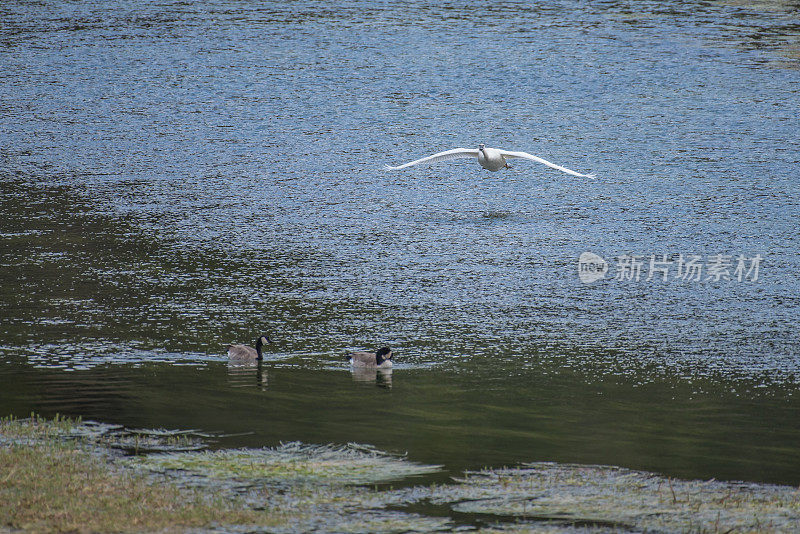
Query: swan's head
(481, 146)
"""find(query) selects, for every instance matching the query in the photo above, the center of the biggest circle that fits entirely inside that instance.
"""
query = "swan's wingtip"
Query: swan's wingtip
(591, 176)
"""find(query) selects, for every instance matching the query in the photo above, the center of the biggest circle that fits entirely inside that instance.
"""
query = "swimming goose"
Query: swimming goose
(492, 159)
(243, 353)
(381, 359)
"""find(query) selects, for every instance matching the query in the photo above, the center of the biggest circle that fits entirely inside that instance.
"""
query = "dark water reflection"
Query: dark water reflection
(456, 418)
(178, 176)
(242, 375)
(379, 377)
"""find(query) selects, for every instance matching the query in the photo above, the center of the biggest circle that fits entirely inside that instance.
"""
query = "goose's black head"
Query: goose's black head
(260, 342)
(381, 355)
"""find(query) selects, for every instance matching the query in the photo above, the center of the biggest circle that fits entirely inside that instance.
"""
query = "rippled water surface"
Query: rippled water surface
(178, 176)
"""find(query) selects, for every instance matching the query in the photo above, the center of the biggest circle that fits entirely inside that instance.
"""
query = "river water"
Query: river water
(177, 176)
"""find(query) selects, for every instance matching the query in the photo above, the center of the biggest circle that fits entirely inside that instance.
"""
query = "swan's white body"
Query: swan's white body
(492, 159)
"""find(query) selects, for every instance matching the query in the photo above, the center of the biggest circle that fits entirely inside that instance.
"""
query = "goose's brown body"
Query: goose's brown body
(243, 353)
(382, 359)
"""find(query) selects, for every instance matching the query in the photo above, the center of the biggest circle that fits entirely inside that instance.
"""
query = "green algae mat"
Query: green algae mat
(623, 500)
(295, 462)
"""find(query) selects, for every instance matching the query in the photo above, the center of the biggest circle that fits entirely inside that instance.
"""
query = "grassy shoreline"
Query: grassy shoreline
(65, 475)
(50, 484)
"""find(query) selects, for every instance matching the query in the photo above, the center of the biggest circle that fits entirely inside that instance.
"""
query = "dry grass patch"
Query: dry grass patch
(54, 485)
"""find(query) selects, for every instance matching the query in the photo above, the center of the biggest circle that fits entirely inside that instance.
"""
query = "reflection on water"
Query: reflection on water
(772, 25)
(248, 374)
(119, 245)
(379, 377)
(177, 175)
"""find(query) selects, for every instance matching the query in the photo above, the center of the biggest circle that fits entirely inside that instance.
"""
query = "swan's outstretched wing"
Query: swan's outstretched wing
(525, 155)
(439, 156)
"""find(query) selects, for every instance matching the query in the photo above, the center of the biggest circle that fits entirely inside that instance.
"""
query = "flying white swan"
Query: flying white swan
(492, 159)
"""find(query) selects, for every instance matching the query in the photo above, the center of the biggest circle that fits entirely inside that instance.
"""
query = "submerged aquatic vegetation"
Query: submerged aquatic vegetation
(36, 428)
(292, 462)
(138, 442)
(624, 499)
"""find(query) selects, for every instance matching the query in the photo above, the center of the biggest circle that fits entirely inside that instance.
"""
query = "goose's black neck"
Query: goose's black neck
(380, 353)
(259, 345)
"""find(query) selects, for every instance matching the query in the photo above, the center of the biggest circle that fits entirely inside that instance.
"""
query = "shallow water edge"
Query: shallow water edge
(296, 487)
